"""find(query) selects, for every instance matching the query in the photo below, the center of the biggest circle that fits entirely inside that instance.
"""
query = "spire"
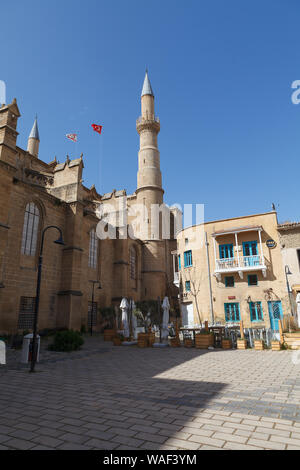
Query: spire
(34, 134)
(34, 140)
(147, 89)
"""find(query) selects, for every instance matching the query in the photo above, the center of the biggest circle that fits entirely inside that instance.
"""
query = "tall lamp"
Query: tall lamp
(92, 309)
(59, 241)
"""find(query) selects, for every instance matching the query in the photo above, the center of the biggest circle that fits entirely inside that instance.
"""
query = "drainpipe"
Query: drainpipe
(209, 282)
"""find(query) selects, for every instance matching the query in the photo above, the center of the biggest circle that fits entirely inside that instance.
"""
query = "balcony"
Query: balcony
(240, 265)
(148, 121)
(239, 258)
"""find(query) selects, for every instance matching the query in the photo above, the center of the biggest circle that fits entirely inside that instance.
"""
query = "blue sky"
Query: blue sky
(221, 72)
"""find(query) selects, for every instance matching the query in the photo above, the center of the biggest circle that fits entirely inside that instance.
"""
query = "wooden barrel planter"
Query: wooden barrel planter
(275, 345)
(151, 339)
(226, 344)
(143, 340)
(241, 344)
(109, 334)
(175, 342)
(117, 341)
(188, 343)
(258, 344)
(204, 341)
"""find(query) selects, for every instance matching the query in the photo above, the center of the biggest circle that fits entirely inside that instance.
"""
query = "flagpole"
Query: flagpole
(100, 163)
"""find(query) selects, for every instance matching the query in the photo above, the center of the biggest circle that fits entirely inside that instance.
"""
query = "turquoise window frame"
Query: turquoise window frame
(227, 247)
(188, 286)
(179, 262)
(251, 285)
(250, 243)
(226, 281)
(232, 308)
(188, 259)
(253, 306)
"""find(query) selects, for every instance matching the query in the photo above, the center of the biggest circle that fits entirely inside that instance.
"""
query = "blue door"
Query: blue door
(275, 313)
(251, 257)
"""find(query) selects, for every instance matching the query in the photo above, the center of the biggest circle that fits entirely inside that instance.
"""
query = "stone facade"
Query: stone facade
(35, 195)
(289, 234)
(229, 270)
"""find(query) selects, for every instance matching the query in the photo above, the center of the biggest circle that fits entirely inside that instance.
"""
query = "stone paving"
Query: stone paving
(107, 397)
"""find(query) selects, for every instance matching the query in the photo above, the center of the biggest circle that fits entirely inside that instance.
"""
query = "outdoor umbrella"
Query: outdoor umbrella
(124, 307)
(133, 319)
(165, 321)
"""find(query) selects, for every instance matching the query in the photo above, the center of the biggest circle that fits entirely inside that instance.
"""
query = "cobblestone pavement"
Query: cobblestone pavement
(106, 397)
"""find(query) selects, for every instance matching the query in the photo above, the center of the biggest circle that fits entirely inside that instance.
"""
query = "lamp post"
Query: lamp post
(59, 241)
(92, 309)
(288, 273)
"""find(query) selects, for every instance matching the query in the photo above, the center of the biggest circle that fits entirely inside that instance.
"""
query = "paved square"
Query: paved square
(107, 397)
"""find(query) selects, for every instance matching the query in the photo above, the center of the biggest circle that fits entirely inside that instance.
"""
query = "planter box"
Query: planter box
(275, 345)
(109, 335)
(258, 345)
(117, 341)
(151, 339)
(188, 343)
(204, 341)
(226, 344)
(241, 344)
(175, 342)
(143, 340)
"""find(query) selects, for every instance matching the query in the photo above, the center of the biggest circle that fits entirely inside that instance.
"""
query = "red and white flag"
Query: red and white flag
(72, 137)
(97, 128)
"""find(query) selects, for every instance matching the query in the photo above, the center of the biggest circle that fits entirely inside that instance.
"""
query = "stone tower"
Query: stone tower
(149, 182)
(34, 140)
(149, 192)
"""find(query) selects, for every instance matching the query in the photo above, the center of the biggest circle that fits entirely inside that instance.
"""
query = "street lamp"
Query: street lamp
(288, 273)
(92, 309)
(59, 241)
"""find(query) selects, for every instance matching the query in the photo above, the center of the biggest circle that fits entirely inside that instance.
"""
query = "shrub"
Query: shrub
(69, 340)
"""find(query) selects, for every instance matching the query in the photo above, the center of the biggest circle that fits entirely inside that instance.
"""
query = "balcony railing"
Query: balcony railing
(244, 262)
(148, 118)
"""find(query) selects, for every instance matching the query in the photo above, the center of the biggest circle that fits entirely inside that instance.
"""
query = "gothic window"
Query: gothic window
(93, 249)
(30, 229)
(133, 263)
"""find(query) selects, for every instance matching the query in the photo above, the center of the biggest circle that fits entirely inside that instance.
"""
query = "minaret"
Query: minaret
(149, 181)
(34, 140)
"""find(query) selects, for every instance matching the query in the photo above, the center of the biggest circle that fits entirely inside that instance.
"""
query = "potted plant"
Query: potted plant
(204, 339)
(188, 343)
(258, 344)
(148, 312)
(226, 343)
(109, 319)
(118, 339)
(241, 343)
(275, 345)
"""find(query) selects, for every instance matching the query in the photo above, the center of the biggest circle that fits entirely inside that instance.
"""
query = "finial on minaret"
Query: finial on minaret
(147, 89)
(34, 139)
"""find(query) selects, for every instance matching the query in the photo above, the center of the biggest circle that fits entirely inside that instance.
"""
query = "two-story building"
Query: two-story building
(231, 270)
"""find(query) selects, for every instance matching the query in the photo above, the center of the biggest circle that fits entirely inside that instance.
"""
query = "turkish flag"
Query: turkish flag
(97, 128)
(72, 137)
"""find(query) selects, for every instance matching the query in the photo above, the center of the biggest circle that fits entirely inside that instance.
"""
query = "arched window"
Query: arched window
(133, 262)
(93, 249)
(30, 229)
